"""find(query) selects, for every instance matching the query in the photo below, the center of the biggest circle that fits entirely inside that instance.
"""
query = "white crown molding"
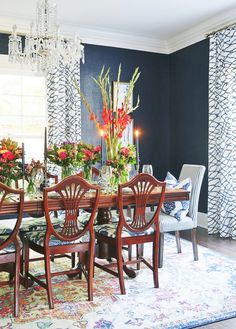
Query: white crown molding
(135, 42)
(199, 32)
(119, 40)
(96, 37)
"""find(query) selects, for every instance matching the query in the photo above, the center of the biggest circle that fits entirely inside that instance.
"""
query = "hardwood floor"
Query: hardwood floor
(226, 247)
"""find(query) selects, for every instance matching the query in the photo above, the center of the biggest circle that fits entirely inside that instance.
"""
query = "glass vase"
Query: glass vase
(87, 173)
(31, 188)
(119, 177)
(8, 182)
(67, 171)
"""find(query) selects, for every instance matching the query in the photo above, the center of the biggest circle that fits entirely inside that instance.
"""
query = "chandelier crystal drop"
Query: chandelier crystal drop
(44, 47)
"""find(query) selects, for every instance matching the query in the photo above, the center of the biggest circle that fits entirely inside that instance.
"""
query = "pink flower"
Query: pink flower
(125, 151)
(97, 149)
(8, 156)
(62, 155)
(88, 153)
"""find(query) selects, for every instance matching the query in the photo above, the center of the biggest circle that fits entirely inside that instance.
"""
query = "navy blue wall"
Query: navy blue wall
(4, 43)
(189, 110)
(173, 112)
(152, 117)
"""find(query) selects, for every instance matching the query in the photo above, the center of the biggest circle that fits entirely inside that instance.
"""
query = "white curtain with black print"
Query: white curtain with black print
(64, 106)
(222, 134)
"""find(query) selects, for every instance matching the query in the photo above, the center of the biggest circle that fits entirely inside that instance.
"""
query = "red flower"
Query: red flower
(88, 154)
(97, 149)
(62, 155)
(8, 156)
(125, 151)
(107, 116)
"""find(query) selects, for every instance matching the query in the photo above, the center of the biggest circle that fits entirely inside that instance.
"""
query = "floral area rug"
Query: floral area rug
(190, 294)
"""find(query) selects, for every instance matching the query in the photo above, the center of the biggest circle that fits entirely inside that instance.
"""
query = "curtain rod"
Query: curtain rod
(208, 35)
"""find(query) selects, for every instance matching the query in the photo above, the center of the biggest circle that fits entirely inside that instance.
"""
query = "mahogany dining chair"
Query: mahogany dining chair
(10, 244)
(72, 236)
(133, 231)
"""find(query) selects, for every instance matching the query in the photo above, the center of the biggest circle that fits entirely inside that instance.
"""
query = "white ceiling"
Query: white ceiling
(157, 23)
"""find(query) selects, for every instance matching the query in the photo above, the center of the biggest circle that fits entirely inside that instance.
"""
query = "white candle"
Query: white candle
(137, 148)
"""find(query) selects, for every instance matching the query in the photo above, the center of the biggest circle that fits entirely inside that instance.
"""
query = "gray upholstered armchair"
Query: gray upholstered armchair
(189, 222)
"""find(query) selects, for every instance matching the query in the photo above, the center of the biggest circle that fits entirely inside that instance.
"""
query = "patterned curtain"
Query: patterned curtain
(64, 110)
(222, 134)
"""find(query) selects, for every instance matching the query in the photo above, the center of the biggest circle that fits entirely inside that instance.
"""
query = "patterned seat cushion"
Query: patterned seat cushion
(177, 209)
(109, 230)
(115, 218)
(39, 224)
(5, 230)
(9, 248)
(37, 237)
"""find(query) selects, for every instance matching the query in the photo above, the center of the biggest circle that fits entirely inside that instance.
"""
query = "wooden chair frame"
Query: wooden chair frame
(11, 261)
(71, 191)
(142, 186)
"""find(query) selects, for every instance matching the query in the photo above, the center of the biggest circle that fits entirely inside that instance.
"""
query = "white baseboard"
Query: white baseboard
(202, 220)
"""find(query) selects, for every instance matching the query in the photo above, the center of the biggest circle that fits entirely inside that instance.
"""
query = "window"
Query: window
(23, 113)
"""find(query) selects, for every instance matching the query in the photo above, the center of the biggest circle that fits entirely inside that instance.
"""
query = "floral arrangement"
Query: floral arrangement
(10, 166)
(70, 156)
(114, 119)
(126, 157)
(63, 155)
(32, 166)
(30, 172)
(88, 154)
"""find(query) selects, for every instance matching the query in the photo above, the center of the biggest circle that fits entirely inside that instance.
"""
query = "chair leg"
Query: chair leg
(139, 248)
(155, 262)
(90, 274)
(26, 260)
(48, 279)
(17, 284)
(178, 244)
(130, 252)
(161, 250)
(73, 260)
(194, 242)
(120, 269)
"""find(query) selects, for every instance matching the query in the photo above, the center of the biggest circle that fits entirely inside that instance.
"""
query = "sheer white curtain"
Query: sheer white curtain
(222, 134)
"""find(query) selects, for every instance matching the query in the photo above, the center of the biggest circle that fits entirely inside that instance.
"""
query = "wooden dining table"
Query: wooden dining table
(106, 202)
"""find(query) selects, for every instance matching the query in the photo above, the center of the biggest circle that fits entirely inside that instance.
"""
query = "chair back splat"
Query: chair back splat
(71, 191)
(142, 187)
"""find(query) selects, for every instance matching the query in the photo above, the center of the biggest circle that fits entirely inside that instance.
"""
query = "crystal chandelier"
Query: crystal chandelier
(44, 48)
